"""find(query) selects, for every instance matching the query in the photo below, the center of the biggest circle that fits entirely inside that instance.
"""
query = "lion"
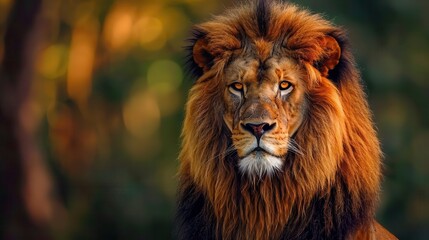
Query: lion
(278, 140)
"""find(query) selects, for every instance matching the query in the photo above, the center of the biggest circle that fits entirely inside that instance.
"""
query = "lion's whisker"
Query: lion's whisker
(294, 147)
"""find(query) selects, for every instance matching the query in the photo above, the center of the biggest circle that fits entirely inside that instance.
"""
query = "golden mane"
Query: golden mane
(330, 190)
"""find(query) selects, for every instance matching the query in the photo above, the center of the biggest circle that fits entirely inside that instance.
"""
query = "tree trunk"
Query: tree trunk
(25, 207)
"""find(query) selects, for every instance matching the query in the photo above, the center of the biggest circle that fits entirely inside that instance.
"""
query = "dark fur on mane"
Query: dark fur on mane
(263, 16)
(191, 68)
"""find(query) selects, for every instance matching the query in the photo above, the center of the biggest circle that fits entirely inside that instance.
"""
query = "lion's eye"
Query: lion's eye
(236, 86)
(285, 88)
(284, 85)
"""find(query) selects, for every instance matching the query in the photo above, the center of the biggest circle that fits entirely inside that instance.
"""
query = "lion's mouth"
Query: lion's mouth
(259, 151)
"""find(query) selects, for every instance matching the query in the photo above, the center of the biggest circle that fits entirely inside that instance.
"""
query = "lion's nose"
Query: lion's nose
(258, 129)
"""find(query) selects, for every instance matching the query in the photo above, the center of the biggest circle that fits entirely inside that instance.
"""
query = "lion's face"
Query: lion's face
(264, 106)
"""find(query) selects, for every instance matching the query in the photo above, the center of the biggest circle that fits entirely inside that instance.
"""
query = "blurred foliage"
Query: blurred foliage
(110, 93)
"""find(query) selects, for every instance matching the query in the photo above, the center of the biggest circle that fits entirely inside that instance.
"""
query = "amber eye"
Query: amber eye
(237, 86)
(284, 85)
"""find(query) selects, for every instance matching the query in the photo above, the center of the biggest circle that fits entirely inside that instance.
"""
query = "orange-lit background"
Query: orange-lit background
(109, 92)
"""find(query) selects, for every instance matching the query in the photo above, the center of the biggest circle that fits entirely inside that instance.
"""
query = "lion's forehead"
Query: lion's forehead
(253, 71)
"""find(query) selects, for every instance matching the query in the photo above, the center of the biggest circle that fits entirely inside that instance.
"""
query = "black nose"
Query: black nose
(258, 129)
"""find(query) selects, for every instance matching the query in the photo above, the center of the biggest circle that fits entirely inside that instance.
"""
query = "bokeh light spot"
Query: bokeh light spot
(81, 60)
(148, 29)
(164, 76)
(141, 115)
(53, 63)
(118, 26)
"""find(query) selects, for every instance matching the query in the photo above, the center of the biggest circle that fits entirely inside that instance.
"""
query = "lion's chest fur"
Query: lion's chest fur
(261, 212)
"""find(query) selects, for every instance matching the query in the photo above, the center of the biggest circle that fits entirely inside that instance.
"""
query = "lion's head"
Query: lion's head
(276, 125)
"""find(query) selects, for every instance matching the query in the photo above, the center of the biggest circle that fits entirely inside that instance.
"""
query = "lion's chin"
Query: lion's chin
(259, 163)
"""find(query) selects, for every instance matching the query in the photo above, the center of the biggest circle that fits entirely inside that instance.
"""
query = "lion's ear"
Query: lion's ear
(202, 55)
(330, 56)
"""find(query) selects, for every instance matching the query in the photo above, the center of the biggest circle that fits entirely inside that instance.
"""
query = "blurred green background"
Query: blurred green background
(109, 91)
